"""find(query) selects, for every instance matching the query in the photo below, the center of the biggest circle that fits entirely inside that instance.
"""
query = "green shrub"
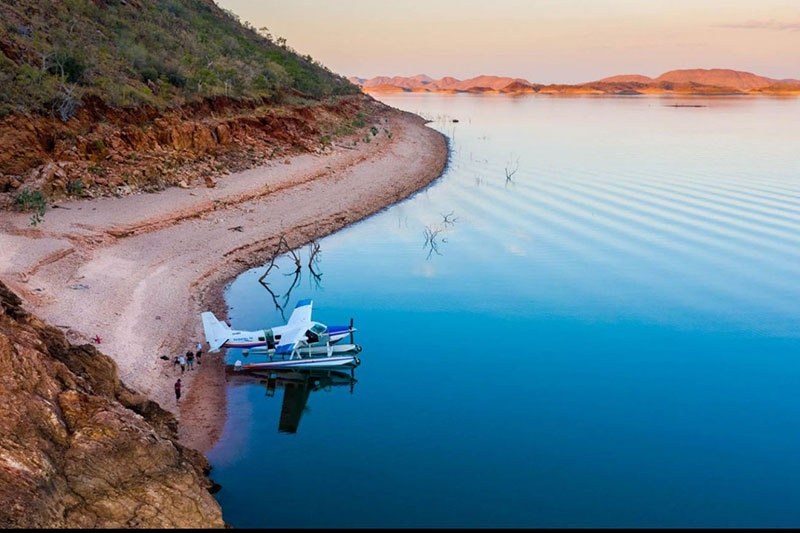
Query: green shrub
(75, 188)
(149, 74)
(345, 129)
(73, 67)
(97, 170)
(176, 78)
(30, 200)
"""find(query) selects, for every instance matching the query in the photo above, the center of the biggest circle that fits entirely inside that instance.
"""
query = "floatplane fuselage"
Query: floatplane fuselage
(296, 343)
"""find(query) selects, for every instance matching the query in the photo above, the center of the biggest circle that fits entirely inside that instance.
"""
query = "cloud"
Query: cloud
(764, 25)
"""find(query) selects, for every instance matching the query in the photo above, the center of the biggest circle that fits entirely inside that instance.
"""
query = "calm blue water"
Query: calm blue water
(608, 338)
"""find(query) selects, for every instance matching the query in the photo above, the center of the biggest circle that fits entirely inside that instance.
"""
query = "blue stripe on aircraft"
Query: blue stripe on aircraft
(298, 362)
(284, 349)
(244, 344)
(302, 303)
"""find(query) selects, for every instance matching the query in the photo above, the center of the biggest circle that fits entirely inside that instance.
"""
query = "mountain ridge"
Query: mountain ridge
(681, 81)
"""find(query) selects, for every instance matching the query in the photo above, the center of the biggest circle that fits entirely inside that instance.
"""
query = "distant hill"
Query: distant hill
(497, 83)
(718, 78)
(399, 81)
(692, 81)
(446, 84)
(627, 78)
(132, 52)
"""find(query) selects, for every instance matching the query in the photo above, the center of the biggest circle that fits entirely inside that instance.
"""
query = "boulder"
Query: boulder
(223, 133)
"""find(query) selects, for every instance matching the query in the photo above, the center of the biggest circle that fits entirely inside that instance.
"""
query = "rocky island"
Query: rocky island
(675, 82)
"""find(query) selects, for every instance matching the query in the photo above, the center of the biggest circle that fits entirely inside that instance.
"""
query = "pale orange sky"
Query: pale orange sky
(549, 41)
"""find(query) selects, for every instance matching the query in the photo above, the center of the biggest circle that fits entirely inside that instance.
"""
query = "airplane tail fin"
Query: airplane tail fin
(216, 332)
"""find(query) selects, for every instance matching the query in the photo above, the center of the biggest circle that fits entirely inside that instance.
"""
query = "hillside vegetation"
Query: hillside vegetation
(102, 97)
(132, 52)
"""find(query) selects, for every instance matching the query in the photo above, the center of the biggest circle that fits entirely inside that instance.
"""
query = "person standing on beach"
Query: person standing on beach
(190, 359)
(182, 361)
(178, 390)
(176, 363)
(199, 352)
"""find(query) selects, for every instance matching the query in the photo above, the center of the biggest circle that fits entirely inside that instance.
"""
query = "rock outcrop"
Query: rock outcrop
(107, 151)
(80, 449)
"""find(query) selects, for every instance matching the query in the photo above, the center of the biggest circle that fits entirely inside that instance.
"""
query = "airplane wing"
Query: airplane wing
(295, 328)
(289, 339)
(301, 314)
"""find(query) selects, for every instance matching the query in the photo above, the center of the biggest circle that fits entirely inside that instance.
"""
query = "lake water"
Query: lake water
(607, 337)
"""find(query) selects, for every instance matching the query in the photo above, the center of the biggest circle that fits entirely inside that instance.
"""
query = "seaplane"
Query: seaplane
(301, 343)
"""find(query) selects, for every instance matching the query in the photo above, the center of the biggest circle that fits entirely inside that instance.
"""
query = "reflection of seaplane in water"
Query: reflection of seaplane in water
(301, 343)
(297, 385)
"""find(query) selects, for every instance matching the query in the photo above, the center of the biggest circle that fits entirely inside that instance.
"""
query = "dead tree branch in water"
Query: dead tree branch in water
(278, 306)
(281, 244)
(313, 260)
(296, 258)
(292, 286)
(448, 219)
(316, 277)
(313, 257)
(430, 240)
(513, 170)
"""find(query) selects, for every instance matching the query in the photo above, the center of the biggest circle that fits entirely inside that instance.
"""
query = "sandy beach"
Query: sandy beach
(138, 270)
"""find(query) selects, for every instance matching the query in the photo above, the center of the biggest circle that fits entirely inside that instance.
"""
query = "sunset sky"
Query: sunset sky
(548, 41)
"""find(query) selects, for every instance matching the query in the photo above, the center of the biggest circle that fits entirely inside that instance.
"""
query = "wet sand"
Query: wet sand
(138, 270)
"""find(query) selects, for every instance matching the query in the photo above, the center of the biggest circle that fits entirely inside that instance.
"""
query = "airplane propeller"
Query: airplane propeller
(351, 331)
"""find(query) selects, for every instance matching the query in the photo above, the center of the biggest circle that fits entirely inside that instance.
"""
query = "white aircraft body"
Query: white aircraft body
(300, 340)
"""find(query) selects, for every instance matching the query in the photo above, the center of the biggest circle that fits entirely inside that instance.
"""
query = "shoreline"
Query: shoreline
(141, 268)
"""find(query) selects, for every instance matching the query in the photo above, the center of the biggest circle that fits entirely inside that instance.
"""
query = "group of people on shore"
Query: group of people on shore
(186, 362)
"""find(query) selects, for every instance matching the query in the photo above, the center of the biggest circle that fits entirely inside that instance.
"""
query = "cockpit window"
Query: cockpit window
(318, 329)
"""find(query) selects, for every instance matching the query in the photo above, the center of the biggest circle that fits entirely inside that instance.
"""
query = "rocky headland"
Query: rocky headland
(81, 449)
